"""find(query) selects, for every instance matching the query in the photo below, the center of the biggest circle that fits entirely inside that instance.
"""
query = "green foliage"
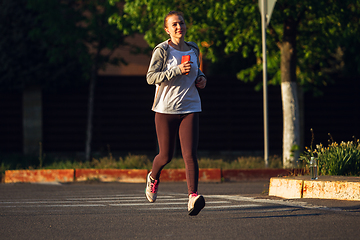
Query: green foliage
(66, 164)
(327, 35)
(16, 161)
(107, 162)
(40, 44)
(101, 37)
(3, 168)
(336, 159)
(240, 163)
(132, 161)
(55, 43)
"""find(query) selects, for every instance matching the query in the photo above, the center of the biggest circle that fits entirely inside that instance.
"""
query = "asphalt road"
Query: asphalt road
(120, 211)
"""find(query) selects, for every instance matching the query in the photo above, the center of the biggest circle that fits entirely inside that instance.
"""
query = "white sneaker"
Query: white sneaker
(196, 203)
(151, 188)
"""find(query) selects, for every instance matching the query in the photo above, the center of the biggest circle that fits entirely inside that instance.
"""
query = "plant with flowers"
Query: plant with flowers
(309, 151)
(336, 159)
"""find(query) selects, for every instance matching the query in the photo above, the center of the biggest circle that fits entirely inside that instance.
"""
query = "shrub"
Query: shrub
(336, 159)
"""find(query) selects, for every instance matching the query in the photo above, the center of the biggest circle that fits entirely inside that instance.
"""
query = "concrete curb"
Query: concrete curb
(111, 175)
(326, 187)
(139, 175)
(179, 175)
(35, 176)
(292, 186)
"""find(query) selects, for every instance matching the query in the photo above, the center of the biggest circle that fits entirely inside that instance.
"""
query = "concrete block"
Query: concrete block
(39, 176)
(332, 188)
(286, 187)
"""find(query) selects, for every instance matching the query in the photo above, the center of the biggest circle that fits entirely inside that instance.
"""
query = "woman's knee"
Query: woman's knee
(163, 159)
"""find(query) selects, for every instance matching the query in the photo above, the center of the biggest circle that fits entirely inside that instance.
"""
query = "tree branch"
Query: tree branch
(301, 14)
(274, 34)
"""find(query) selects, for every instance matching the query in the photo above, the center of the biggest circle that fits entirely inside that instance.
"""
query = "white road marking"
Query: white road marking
(138, 200)
(57, 205)
(39, 202)
(208, 207)
(164, 202)
(128, 197)
(102, 198)
(161, 204)
(90, 200)
(289, 203)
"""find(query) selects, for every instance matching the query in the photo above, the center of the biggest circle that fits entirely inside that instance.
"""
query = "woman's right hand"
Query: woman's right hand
(185, 67)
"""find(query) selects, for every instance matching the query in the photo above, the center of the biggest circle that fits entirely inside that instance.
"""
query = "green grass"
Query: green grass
(145, 162)
(131, 161)
(248, 162)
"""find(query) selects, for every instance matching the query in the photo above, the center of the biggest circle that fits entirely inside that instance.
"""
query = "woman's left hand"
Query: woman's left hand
(200, 82)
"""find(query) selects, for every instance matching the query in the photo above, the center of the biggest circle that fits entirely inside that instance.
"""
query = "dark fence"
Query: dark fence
(122, 119)
(11, 131)
(337, 112)
(232, 117)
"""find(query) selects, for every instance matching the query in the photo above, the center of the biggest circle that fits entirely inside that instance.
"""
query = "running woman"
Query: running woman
(177, 106)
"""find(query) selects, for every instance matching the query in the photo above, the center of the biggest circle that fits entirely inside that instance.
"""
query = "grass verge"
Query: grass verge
(131, 161)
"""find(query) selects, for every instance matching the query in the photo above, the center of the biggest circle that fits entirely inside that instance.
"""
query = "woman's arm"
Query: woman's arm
(155, 74)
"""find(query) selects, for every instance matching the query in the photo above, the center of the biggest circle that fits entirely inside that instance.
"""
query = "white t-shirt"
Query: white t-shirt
(179, 95)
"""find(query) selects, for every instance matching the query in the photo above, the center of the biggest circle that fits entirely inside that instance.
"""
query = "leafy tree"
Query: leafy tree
(39, 44)
(102, 40)
(306, 41)
(56, 43)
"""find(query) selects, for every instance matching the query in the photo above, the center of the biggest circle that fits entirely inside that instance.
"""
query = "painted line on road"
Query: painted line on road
(208, 207)
(141, 199)
(161, 204)
(57, 205)
(116, 198)
(289, 203)
(40, 202)
(103, 200)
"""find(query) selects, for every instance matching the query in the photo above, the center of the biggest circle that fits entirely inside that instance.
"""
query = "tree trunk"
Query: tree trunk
(302, 117)
(93, 79)
(291, 120)
(32, 120)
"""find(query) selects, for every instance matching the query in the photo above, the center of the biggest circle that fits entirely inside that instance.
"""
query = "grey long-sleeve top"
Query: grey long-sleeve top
(156, 73)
